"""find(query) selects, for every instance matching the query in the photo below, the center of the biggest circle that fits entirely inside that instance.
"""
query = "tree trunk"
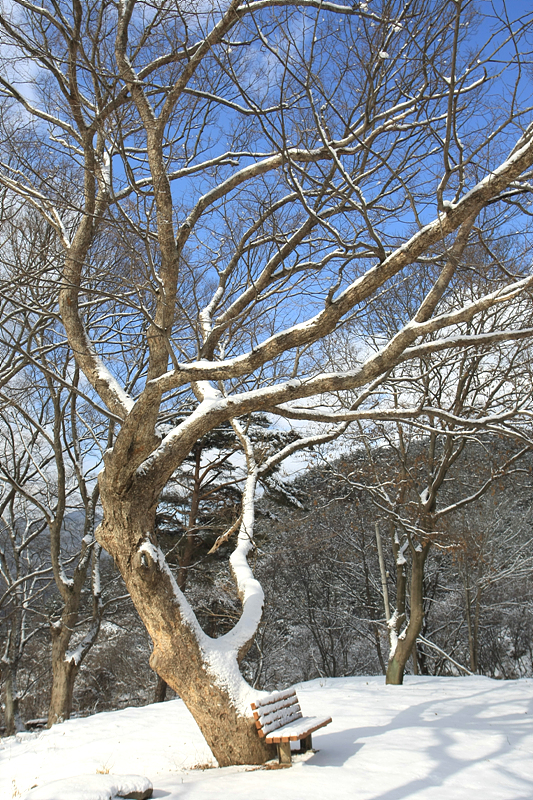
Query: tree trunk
(414, 656)
(470, 626)
(63, 677)
(9, 670)
(65, 665)
(13, 721)
(203, 671)
(160, 691)
(65, 669)
(232, 737)
(472, 611)
(406, 640)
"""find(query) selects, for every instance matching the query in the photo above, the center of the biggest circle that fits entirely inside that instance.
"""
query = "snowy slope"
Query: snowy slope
(431, 739)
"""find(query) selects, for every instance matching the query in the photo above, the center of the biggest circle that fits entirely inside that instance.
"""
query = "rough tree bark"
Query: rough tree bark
(203, 671)
(64, 672)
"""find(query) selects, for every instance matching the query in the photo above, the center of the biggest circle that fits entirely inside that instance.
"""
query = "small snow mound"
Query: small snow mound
(94, 787)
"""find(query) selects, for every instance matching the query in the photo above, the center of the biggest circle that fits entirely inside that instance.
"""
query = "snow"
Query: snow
(274, 700)
(250, 590)
(393, 636)
(400, 560)
(105, 172)
(212, 401)
(274, 714)
(297, 727)
(211, 395)
(91, 787)
(431, 739)
(104, 375)
(74, 656)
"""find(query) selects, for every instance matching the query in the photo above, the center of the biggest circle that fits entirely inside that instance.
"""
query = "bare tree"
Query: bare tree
(52, 496)
(494, 565)
(48, 459)
(25, 574)
(235, 181)
(459, 403)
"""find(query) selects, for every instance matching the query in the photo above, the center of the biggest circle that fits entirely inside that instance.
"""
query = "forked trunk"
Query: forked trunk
(66, 664)
(405, 640)
(204, 672)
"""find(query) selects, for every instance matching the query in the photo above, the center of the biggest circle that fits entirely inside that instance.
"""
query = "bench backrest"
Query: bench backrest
(276, 710)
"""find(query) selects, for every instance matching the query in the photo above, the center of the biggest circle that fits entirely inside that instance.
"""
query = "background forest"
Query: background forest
(317, 558)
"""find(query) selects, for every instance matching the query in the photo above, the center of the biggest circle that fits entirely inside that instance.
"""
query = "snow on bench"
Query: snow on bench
(279, 720)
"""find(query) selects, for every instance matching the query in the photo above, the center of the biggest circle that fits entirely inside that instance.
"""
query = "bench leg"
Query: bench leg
(306, 744)
(284, 752)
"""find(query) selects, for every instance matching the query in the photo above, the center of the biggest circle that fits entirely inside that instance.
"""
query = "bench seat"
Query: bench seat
(299, 729)
(279, 720)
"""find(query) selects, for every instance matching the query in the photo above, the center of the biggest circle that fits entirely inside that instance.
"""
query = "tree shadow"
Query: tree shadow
(485, 731)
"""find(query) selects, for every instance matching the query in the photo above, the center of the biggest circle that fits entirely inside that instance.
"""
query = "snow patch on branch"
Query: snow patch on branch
(221, 661)
(392, 625)
(213, 401)
(401, 560)
(104, 178)
(75, 656)
(65, 580)
(249, 588)
(103, 374)
(221, 655)
(149, 551)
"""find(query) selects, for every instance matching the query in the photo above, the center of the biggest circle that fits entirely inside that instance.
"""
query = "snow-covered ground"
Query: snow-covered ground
(431, 739)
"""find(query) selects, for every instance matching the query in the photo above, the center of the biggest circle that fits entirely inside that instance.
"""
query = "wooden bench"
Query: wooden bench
(280, 721)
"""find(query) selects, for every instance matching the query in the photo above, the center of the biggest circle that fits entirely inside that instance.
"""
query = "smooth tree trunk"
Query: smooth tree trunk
(9, 665)
(472, 620)
(66, 664)
(64, 669)
(404, 641)
(472, 613)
